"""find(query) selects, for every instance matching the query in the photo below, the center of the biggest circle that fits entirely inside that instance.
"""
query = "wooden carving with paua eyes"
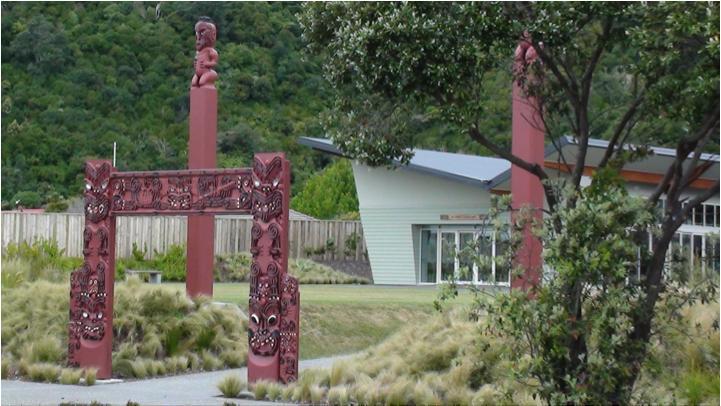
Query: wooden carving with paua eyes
(274, 297)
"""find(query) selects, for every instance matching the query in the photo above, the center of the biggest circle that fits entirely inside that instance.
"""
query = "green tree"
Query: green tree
(328, 194)
(388, 62)
(27, 199)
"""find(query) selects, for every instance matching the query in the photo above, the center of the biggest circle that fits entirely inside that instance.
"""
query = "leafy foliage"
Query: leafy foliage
(637, 73)
(328, 194)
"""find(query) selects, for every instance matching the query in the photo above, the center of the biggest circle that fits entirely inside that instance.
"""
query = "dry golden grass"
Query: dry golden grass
(157, 331)
(449, 360)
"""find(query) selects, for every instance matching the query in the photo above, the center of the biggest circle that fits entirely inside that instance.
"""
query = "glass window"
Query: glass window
(697, 250)
(485, 249)
(660, 206)
(698, 215)
(466, 256)
(718, 216)
(689, 219)
(686, 248)
(711, 253)
(448, 255)
(429, 262)
(708, 215)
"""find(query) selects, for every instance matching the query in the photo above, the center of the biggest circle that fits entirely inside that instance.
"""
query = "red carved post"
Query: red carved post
(91, 287)
(274, 303)
(526, 189)
(203, 121)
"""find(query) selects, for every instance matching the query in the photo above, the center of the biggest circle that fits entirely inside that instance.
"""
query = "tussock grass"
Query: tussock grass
(450, 360)
(156, 330)
(274, 390)
(90, 376)
(684, 360)
(260, 389)
(70, 376)
(236, 268)
(43, 372)
(311, 272)
(231, 386)
(430, 363)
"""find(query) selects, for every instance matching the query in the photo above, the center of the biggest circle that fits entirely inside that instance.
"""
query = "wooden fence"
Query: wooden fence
(232, 234)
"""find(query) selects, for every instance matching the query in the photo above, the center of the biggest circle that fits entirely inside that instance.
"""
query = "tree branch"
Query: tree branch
(630, 113)
(684, 148)
(587, 77)
(532, 168)
(549, 61)
(707, 194)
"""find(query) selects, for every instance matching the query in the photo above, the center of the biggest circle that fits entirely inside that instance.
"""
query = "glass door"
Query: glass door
(485, 249)
(501, 269)
(466, 268)
(429, 256)
(448, 255)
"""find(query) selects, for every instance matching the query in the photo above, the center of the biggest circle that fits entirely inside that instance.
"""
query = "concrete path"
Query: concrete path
(191, 389)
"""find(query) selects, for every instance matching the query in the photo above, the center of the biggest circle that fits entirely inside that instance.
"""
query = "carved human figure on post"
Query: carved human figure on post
(206, 57)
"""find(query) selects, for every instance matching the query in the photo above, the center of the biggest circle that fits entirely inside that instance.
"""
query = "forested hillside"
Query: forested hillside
(78, 76)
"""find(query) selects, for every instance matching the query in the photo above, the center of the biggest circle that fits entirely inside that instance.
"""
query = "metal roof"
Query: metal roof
(472, 169)
(491, 173)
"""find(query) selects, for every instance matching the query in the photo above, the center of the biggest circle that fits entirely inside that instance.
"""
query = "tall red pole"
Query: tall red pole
(526, 189)
(202, 123)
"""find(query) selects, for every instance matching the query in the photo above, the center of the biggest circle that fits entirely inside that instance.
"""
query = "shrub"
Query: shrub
(233, 358)
(232, 267)
(139, 368)
(274, 390)
(91, 375)
(56, 203)
(27, 199)
(260, 389)
(43, 372)
(156, 330)
(236, 268)
(70, 376)
(338, 396)
(5, 369)
(41, 259)
(231, 386)
(46, 349)
(13, 272)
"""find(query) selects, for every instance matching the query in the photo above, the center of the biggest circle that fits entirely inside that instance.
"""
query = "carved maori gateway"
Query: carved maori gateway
(262, 191)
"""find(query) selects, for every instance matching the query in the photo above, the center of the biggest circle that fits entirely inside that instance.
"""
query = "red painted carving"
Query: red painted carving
(263, 191)
(206, 57)
(274, 296)
(181, 192)
(91, 286)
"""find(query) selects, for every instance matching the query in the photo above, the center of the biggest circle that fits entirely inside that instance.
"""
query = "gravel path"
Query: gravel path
(191, 389)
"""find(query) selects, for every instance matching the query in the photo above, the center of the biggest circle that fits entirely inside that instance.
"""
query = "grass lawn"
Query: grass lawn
(341, 319)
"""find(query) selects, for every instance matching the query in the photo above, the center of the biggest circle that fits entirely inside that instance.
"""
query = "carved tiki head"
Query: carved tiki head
(205, 33)
(264, 326)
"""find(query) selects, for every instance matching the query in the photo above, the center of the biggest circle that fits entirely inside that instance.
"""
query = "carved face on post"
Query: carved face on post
(97, 204)
(91, 310)
(264, 327)
(204, 35)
